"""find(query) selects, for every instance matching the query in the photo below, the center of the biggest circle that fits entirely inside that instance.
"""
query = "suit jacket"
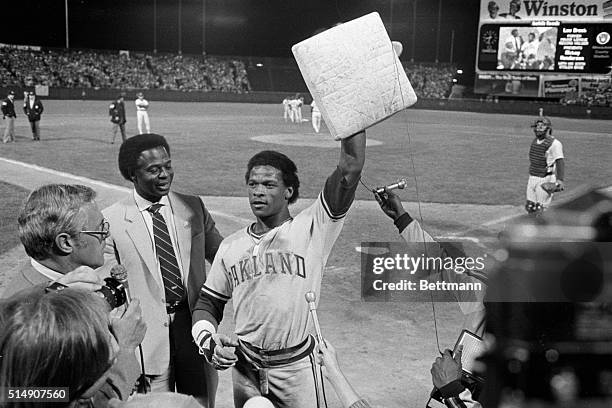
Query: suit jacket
(130, 244)
(35, 111)
(123, 373)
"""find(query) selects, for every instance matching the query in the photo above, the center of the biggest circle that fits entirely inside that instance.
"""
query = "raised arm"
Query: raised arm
(352, 157)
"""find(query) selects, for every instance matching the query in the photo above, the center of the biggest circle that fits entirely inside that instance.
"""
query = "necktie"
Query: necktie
(171, 274)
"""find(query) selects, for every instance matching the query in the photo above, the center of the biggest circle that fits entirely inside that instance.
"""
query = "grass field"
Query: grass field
(471, 173)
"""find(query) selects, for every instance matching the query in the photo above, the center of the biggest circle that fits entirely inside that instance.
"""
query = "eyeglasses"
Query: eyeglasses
(103, 233)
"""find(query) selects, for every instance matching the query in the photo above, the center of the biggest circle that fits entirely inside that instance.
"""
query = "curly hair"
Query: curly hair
(130, 151)
(281, 162)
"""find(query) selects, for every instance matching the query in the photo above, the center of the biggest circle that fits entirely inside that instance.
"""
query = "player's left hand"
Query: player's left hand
(446, 369)
(224, 355)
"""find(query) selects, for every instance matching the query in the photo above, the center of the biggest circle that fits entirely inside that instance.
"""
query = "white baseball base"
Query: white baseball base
(354, 75)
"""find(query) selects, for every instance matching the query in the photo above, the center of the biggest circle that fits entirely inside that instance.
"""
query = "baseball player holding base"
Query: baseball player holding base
(267, 268)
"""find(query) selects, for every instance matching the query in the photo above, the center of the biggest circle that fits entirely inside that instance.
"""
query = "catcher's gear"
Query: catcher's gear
(542, 126)
(551, 187)
(533, 208)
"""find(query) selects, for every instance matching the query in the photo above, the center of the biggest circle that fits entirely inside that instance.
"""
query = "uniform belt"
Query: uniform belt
(173, 307)
(275, 358)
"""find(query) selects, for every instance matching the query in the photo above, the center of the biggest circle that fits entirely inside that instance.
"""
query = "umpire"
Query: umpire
(116, 111)
(8, 116)
(33, 108)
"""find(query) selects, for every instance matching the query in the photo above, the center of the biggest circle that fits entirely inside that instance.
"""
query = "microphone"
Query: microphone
(119, 273)
(310, 298)
(398, 185)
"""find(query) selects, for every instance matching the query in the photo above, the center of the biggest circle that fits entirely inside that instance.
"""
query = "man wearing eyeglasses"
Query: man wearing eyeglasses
(63, 232)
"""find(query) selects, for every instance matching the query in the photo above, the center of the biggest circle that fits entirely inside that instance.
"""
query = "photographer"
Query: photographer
(64, 232)
(56, 339)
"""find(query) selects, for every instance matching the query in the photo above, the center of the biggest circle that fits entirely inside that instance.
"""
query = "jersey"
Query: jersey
(268, 275)
(543, 155)
(141, 104)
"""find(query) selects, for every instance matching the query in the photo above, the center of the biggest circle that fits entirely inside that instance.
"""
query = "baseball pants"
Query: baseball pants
(142, 119)
(9, 130)
(297, 384)
(536, 193)
(35, 125)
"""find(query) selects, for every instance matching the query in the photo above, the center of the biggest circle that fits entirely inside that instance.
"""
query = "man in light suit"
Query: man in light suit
(63, 232)
(163, 239)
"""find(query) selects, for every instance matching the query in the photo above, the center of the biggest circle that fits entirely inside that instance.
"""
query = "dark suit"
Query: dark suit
(33, 113)
(197, 241)
(123, 373)
(116, 111)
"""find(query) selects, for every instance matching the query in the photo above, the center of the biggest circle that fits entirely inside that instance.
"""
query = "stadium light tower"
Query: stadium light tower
(66, 18)
(154, 26)
(438, 31)
(180, 40)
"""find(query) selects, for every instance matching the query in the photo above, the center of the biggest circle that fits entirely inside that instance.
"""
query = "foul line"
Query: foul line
(104, 185)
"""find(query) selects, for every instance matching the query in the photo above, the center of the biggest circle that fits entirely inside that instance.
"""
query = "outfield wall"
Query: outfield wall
(467, 105)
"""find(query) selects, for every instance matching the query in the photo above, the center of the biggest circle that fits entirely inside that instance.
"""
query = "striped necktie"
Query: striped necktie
(168, 265)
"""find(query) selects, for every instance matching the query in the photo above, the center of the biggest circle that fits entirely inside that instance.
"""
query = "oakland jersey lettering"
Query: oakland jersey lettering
(276, 262)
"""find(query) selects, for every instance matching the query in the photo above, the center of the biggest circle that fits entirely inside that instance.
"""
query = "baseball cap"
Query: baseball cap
(11, 93)
(139, 94)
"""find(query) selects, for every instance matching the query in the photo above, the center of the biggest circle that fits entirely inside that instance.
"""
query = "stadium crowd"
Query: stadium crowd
(430, 80)
(93, 69)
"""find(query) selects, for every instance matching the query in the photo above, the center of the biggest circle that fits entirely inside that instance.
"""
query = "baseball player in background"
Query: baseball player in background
(142, 116)
(267, 268)
(546, 166)
(316, 116)
(293, 110)
(286, 109)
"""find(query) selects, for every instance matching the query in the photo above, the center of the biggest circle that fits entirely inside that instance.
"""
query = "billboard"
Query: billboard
(507, 85)
(499, 11)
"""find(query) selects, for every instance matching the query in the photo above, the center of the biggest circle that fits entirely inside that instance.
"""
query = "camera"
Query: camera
(549, 315)
(112, 291)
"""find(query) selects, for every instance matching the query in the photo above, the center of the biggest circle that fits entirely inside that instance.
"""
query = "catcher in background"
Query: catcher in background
(546, 167)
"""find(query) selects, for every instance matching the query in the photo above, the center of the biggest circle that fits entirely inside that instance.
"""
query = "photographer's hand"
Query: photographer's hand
(128, 327)
(447, 368)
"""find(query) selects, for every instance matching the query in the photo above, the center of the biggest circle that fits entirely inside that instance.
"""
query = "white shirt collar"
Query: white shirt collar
(143, 204)
(48, 272)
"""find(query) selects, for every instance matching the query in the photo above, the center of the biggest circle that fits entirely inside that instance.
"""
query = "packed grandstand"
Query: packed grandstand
(123, 70)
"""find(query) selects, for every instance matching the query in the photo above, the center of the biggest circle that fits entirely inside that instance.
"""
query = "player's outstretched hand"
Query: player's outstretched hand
(82, 278)
(224, 355)
(446, 369)
(390, 203)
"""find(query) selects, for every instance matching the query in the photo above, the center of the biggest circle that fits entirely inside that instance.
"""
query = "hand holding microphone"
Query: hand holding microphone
(390, 203)
(119, 273)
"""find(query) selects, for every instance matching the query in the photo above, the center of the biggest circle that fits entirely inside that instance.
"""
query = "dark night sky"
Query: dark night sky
(236, 27)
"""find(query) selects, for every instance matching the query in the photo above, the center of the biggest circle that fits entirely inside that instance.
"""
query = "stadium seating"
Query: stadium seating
(94, 69)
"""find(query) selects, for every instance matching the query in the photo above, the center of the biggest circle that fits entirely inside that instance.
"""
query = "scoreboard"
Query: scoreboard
(530, 47)
(547, 46)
